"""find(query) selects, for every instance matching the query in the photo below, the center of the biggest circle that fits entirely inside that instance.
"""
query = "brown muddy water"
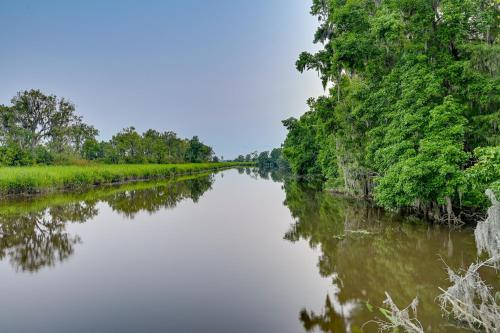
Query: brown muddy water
(233, 251)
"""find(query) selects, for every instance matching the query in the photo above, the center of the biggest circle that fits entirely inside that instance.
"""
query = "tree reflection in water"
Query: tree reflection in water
(363, 251)
(155, 198)
(36, 239)
(33, 231)
(366, 252)
(334, 318)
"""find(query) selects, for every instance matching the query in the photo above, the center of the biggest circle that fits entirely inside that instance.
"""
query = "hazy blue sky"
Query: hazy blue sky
(220, 69)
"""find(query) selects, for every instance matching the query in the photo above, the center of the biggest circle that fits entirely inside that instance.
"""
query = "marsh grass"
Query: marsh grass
(41, 179)
(15, 205)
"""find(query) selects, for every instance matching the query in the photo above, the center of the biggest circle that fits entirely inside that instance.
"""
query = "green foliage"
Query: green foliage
(129, 146)
(413, 98)
(92, 150)
(22, 221)
(273, 160)
(301, 148)
(44, 129)
(197, 151)
(43, 156)
(252, 157)
(432, 171)
(484, 174)
(35, 118)
(48, 178)
(12, 154)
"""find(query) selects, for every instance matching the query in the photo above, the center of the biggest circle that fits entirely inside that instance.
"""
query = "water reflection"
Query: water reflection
(366, 252)
(35, 240)
(152, 199)
(276, 175)
(362, 252)
(331, 319)
(33, 231)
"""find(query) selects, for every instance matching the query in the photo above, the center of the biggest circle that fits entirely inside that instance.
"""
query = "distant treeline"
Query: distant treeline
(411, 115)
(44, 129)
(266, 159)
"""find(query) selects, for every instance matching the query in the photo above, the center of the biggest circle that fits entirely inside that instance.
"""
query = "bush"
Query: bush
(12, 155)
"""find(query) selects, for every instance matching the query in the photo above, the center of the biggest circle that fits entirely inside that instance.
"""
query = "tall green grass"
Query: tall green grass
(15, 205)
(36, 179)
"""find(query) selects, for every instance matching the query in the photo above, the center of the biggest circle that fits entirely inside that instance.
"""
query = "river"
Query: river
(234, 251)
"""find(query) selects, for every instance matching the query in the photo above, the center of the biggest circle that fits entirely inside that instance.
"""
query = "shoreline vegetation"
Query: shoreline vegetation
(40, 129)
(45, 179)
(410, 111)
(26, 204)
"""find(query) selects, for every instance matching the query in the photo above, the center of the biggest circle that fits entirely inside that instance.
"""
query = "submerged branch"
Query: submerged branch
(469, 299)
(405, 319)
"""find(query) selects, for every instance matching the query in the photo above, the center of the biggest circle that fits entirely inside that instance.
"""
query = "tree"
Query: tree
(79, 133)
(128, 145)
(197, 151)
(92, 150)
(263, 161)
(44, 129)
(413, 95)
(39, 117)
(155, 148)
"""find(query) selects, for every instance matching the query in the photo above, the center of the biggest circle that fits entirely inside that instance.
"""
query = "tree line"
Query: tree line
(410, 116)
(266, 160)
(44, 129)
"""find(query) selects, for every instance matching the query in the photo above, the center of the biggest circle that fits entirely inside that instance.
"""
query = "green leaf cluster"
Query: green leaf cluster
(411, 110)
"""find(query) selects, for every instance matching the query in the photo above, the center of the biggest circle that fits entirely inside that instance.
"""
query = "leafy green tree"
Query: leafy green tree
(264, 161)
(92, 150)
(271, 162)
(484, 174)
(155, 149)
(45, 129)
(41, 117)
(411, 95)
(128, 145)
(301, 148)
(80, 133)
(197, 151)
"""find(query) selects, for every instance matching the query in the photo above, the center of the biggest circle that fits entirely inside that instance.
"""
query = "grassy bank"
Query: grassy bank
(14, 204)
(19, 180)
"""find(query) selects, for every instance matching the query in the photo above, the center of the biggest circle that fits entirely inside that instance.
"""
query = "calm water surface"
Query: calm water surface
(228, 252)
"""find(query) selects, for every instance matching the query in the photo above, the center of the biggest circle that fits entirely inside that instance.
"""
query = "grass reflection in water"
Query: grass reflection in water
(33, 229)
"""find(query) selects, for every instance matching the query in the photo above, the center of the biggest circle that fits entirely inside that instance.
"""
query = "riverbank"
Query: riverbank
(43, 179)
(28, 204)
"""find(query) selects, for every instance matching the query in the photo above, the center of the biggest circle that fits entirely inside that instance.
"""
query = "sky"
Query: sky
(222, 69)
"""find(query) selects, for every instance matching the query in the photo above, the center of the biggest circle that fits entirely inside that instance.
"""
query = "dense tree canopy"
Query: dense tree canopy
(197, 151)
(272, 160)
(45, 129)
(412, 111)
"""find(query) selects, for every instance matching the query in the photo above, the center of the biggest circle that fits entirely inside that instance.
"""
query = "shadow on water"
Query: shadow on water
(33, 229)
